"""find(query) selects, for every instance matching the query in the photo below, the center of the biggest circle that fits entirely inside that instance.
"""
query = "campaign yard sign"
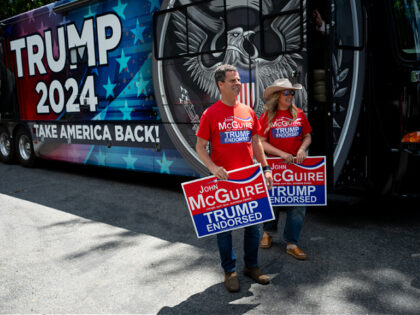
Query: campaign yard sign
(218, 206)
(299, 184)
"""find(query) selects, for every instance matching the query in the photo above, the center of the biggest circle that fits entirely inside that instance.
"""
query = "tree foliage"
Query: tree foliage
(10, 8)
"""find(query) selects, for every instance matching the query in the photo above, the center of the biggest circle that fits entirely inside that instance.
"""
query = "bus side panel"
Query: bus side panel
(98, 108)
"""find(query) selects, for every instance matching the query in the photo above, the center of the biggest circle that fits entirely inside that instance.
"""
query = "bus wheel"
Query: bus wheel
(6, 146)
(24, 148)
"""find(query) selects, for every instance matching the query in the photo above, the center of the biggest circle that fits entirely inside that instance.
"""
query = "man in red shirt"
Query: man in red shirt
(232, 130)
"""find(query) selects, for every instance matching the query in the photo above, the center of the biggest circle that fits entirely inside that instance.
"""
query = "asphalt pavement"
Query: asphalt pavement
(89, 240)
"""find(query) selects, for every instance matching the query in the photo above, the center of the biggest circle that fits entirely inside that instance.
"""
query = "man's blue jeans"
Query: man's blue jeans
(293, 226)
(251, 243)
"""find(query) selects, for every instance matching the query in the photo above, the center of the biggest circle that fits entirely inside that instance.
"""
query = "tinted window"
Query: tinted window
(407, 25)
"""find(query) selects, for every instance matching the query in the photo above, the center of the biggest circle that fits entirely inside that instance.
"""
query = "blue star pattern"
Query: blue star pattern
(123, 61)
(90, 13)
(129, 159)
(100, 157)
(164, 164)
(126, 112)
(137, 93)
(142, 86)
(120, 9)
(154, 4)
(138, 33)
(140, 159)
(109, 87)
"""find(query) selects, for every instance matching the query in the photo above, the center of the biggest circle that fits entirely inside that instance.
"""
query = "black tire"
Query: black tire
(24, 148)
(7, 150)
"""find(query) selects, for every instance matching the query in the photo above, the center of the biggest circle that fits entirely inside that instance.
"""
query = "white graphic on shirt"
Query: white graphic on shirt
(286, 128)
(235, 129)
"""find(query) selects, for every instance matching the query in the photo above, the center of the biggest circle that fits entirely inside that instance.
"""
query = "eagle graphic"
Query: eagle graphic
(242, 50)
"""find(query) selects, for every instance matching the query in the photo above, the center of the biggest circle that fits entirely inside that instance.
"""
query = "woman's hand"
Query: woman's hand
(300, 156)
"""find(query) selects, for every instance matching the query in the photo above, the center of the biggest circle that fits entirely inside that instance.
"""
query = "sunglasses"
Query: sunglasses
(288, 92)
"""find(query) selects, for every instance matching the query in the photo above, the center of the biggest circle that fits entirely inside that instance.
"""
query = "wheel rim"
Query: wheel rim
(25, 147)
(5, 144)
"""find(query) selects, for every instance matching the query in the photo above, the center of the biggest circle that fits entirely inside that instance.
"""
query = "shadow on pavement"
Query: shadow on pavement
(366, 255)
(214, 299)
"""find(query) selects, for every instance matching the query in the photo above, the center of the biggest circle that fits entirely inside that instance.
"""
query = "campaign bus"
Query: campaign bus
(123, 83)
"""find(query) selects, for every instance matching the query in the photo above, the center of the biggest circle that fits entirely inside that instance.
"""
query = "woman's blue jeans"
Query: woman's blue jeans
(251, 244)
(293, 226)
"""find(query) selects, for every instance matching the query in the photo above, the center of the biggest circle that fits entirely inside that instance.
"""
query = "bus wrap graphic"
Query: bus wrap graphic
(85, 84)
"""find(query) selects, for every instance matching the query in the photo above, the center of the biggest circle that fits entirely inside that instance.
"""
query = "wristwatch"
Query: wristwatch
(266, 168)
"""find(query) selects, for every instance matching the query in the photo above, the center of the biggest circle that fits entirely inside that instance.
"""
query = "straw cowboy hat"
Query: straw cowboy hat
(280, 85)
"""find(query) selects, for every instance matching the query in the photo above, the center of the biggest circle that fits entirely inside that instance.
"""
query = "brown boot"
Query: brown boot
(266, 240)
(231, 281)
(255, 274)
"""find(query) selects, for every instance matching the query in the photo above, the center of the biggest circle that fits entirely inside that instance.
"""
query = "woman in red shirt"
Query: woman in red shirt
(285, 132)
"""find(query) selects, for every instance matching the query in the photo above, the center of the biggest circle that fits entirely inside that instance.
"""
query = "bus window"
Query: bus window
(406, 16)
(348, 19)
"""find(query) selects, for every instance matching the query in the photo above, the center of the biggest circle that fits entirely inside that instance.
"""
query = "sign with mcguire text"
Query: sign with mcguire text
(299, 184)
(217, 205)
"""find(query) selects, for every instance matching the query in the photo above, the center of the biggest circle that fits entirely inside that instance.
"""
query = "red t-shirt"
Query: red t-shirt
(229, 130)
(285, 134)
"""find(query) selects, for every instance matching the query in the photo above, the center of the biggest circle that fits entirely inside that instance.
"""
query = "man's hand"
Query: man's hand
(219, 172)
(268, 179)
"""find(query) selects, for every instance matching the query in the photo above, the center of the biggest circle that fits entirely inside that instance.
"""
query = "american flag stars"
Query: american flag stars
(138, 33)
(164, 164)
(100, 157)
(123, 61)
(90, 13)
(129, 159)
(154, 4)
(141, 86)
(126, 111)
(120, 9)
(109, 87)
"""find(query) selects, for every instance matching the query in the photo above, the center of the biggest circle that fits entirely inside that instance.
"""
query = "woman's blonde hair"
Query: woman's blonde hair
(271, 109)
